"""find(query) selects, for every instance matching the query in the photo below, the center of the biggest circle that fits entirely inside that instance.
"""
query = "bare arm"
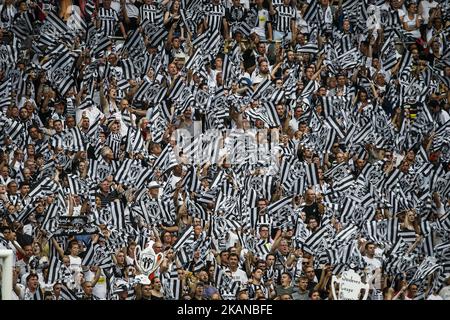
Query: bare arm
(226, 28)
(294, 29)
(70, 205)
(324, 277)
(58, 248)
(124, 11)
(269, 32)
(97, 276)
(122, 30)
(15, 287)
(290, 261)
(103, 101)
(317, 74)
(18, 247)
(166, 18)
(275, 244)
(275, 69)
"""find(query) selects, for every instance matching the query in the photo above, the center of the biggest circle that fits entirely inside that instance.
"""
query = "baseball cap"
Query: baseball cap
(154, 184)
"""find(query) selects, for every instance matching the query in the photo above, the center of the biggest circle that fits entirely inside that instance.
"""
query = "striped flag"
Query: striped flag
(405, 64)
(166, 160)
(117, 214)
(312, 174)
(391, 180)
(53, 269)
(56, 23)
(186, 238)
(315, 241)
(67, 294)
(22, 27)
(129, 172)
(272, 114)
(158, 37)
(312, 12)
(261, 89)
(331, 121)
(426, 268)
(61, 73)
(311, 48)
(99, 45)
(73, 140)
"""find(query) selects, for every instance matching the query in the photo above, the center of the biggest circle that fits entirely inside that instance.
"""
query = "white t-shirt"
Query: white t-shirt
(401, 13)
(445, 293)
(240, 275)
(232, 239)
(25, 293)
(263, 18)
(132, 10)
(412, 23)
(92, 113)
(302, 24)
(434, 297)
(75, 263)
(129, 260)
(258, 78)
(372, 263)
(426, 6)
(99, 289)
(293, 123)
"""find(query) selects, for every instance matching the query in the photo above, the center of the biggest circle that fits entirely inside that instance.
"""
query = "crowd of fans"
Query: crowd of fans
(262, 146)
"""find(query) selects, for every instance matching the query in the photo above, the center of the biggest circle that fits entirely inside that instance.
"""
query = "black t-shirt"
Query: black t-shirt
(312, 211)
(23, 239)
(311, 285)
(45, 115)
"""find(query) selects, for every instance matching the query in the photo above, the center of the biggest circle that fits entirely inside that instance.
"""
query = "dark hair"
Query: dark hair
(303, 278)
(12, 181)
(311, 218)
(153, 280)
(312, 292)
(72, 243)
(270, 254)
(24, 183)
(257, 268)
(31, 275)
(368, 244)
(4, 228)
(33, 127)
(233, 255)
(223, 252)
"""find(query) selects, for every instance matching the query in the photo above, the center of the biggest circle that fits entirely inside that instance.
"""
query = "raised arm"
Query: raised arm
(58, 248)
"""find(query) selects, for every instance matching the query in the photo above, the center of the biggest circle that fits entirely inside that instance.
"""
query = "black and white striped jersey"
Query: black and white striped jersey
(252, 288)
(214, 16)
(283, 18)
(152, 13)
(57, 140)
(108, 21)
(277, 3)
(114, 140)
